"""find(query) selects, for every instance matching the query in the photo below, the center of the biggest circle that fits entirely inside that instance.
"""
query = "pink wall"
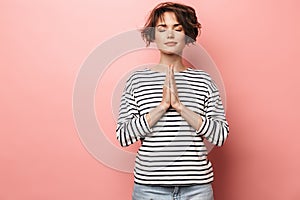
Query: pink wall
(44, 43)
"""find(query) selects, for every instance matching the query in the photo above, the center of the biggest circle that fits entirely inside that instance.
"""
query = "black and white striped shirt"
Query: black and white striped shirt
(172, 152)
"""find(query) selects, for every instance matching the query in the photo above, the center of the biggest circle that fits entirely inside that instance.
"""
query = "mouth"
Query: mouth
(170, 44)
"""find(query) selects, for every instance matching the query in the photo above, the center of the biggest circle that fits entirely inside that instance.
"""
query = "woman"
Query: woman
(171, 108)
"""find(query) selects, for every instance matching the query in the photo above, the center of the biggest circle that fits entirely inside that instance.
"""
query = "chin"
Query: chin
(169, 52)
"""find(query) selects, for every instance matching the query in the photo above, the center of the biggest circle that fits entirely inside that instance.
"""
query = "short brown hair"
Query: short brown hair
(185, 15)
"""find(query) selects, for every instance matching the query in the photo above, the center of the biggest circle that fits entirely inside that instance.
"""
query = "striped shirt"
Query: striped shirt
(172, 151)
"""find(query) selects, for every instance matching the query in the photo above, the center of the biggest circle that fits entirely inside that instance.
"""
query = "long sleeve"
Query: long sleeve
(131, 126)
(214, 126)
(173, 151)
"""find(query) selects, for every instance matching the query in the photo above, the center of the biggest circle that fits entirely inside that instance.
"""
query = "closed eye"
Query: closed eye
(178, 29)
(161, 29)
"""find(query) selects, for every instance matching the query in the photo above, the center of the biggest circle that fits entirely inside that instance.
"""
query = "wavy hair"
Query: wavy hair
(185, 15)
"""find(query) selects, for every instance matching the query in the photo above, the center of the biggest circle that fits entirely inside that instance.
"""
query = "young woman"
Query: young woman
(171, 108)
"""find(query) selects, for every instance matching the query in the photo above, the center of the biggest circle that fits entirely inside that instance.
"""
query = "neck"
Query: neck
(176, 60)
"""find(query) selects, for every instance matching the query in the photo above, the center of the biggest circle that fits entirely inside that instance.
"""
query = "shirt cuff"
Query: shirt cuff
(201, 131)
(145, 125)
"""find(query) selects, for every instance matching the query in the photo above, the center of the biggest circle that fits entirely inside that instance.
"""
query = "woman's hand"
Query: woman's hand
(170, 96)
(166, 98)
(175, 102)
(170, 99)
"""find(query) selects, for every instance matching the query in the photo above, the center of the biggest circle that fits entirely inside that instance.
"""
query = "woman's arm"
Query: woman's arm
(131, 126)
(213, 125)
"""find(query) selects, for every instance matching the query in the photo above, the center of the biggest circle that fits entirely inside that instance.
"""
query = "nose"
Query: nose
(170, 34)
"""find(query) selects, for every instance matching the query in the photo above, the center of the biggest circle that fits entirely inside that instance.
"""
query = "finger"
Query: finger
(172, 78)
(168, 78)
(171, 69)
(166, 83)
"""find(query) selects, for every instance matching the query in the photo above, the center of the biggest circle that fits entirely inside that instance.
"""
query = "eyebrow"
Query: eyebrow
(164, 25)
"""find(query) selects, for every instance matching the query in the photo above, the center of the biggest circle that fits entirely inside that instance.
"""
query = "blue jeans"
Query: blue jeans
(193, 192)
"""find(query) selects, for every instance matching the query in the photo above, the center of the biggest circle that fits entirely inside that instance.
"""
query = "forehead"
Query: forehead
(168, 18)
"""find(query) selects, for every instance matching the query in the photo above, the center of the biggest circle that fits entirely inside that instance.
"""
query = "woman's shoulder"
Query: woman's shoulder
(203, 77)
(198, 73)
(136, 76)
(145, 73)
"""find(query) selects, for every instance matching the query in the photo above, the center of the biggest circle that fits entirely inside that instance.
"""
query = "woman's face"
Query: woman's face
(169, 34)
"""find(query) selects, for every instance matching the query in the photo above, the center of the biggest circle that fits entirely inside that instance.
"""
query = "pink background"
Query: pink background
(43, 44)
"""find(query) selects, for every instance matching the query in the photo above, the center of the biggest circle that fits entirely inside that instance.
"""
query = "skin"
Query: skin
(170, 39)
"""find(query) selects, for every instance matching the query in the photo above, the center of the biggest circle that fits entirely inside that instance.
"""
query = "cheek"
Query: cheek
(158, 38)
(181, 37)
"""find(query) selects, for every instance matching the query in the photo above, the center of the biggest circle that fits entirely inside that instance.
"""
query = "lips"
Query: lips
(170, 44)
